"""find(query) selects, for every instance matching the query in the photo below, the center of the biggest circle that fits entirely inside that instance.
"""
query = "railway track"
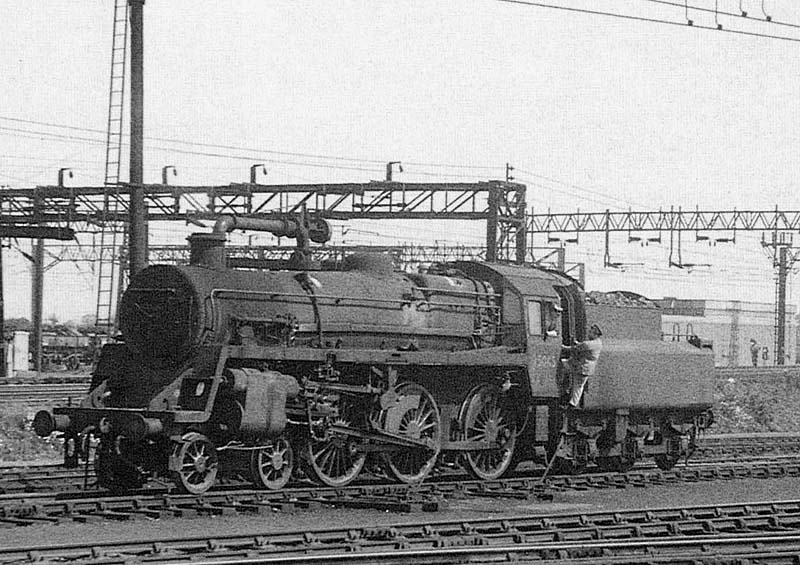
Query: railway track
(36, 508)
(50, 393)
(765, 532)
(712, 450)
(738, 445)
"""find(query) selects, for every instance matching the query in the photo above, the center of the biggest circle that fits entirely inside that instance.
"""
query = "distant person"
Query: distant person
(754, 352)
(583, 362)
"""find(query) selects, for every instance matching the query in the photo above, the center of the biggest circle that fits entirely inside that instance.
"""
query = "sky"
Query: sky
(594, 112)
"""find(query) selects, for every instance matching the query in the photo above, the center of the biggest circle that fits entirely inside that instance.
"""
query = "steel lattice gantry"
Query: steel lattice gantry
(501, 204)
(672, 220)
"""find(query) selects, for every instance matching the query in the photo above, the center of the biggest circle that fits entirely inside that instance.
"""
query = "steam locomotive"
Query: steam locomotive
(261, 372)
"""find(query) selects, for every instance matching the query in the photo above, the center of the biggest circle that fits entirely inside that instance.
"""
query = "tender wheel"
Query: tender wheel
(484, 417)
(608, 464)
(630, 453)
(197, 462)
(666, 461)
(571, 458)
(563, 466)
(621, 463)
(271, 466)
(418, 418)
(334, 460)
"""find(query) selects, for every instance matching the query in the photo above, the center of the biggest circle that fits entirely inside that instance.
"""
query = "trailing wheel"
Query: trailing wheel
(416, 417)
(195, 464)
(486, 418)
(333, 459)
(271, 466)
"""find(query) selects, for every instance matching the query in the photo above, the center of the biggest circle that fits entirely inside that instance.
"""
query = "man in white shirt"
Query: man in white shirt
(583, 362)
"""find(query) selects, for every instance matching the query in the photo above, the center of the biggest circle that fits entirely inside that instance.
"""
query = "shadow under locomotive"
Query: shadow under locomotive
(225, 370)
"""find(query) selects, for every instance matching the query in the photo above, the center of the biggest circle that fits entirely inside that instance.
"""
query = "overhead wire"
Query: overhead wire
(632, 17)
(531, 182)
(577, 187)
(38, 134)
(193, 143)
(241, 148)
(44, 159)
(742, 13)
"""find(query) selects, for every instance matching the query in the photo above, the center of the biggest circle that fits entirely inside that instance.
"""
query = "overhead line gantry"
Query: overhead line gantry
(665, 220)
(501, 204)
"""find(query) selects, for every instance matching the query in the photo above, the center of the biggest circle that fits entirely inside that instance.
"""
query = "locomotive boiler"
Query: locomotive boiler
(264, 373)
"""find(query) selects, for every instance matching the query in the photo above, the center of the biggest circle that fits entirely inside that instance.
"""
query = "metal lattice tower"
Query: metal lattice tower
(110, 268)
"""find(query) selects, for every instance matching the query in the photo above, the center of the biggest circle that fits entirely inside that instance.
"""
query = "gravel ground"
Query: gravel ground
(735, 491)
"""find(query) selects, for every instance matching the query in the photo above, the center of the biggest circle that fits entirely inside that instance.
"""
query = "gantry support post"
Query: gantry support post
(506, 221)
(491, 226)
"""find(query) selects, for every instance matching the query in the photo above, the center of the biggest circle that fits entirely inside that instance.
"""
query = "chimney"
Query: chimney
(207, 250)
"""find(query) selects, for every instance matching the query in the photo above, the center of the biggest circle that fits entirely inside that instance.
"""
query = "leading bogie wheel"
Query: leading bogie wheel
(271, 466)
(113, 467)
(420, 421)
(485, 417)
(198, 464)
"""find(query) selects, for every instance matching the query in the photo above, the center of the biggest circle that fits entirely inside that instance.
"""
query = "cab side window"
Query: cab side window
(534, 317)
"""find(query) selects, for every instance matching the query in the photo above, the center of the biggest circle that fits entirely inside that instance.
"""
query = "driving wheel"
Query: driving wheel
(486, 418)
(415, 416)
(334, 459)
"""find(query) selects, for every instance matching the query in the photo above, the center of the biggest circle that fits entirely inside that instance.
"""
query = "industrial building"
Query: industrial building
(742, 333)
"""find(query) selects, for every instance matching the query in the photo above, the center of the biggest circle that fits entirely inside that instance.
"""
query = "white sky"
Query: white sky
(615, 113)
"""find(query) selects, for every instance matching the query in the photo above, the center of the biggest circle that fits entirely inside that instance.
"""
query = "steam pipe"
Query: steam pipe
(208, 249)
(319, 230)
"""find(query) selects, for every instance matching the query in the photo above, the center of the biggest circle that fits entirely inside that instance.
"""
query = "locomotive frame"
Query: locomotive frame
(266, 374)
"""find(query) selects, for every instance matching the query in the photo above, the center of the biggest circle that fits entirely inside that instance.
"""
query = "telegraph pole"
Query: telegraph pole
(779, 249)
(2, 318)
(138, 212)
(37, 297)
(780, 322)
